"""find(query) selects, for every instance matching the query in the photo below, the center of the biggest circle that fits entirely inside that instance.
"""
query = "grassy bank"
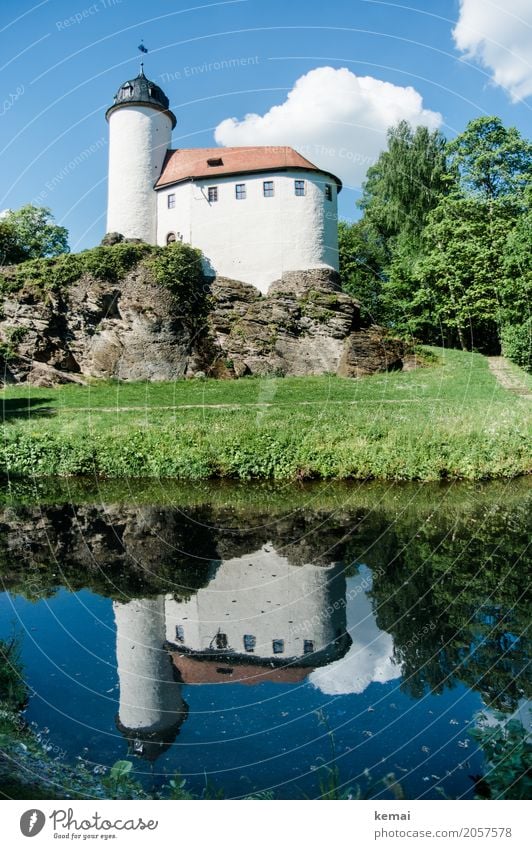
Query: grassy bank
(448, 420)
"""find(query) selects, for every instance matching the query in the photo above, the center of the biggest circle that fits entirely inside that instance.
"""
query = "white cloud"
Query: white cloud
(369, 658)
(498, 35)
(333, 117)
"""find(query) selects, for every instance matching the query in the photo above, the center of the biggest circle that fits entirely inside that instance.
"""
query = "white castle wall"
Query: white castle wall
(150, 698)
(139, 138)
(264, 595)
(257, 239)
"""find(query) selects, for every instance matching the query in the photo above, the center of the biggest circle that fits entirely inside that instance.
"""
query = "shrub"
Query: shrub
(112, 263)
(178, 268)
(516, 343)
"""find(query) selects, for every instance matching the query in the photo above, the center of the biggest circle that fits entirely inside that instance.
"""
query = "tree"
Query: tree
(491, 161)
(30, 233)
(475, 250)
(461, 270)
(401, 189)
(516, 318)
(407, 181)
(10, 250)
(361, 259)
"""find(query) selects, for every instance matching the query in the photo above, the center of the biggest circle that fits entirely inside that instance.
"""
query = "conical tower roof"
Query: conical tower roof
(141, 91)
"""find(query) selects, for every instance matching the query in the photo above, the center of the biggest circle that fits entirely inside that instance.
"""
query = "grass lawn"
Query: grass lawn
(450, 419)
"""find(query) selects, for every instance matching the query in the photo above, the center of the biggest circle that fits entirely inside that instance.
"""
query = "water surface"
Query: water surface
(250, 637)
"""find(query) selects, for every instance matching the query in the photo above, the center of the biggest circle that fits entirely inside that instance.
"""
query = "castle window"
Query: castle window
(171, 201)
(299, 187)
(267, 188)
(179, 633)
(240, 191)
(170, 238)
(328, 191)
(212, 192)
(278, 646)
(308, 646)
(249, 642)
(213, 163)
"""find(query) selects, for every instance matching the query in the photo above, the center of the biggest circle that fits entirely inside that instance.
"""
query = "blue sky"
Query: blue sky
(63, 60)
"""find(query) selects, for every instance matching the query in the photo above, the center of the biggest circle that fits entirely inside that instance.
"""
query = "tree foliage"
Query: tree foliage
(361, 258)
(443, 250)
(30, 233)
(491, 160)
(406, 182)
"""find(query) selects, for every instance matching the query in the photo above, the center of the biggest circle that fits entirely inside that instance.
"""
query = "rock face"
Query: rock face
(132, 330)
(305, 325)
(128, 331)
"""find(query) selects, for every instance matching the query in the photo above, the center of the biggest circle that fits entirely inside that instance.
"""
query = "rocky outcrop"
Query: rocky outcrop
(370, 350)
(133, 330)
(127, 331)
(305, 325)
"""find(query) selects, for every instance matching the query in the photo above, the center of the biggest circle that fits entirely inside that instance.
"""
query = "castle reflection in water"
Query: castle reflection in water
(260, 618)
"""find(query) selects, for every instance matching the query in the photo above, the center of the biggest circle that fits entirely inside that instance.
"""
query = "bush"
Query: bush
(516, 343)
(178, 267)
(112, 263)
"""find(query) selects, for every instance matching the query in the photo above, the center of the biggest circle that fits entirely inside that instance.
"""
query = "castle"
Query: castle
(254, 212)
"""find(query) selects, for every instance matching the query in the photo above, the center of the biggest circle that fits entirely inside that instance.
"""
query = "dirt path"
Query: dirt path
(507, 377)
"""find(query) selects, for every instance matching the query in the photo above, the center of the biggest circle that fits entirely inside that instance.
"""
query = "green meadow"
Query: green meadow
(449, 419)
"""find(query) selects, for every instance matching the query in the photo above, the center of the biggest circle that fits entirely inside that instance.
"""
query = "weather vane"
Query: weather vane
(142, 48)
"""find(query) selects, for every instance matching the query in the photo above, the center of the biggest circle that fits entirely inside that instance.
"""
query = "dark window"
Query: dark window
(308, 646)
(278, 646)
(267, 188)
(179, 633)
(328, 191)
(213, 163)
(299, 187)
(240, 191)
(170, 238)
(221, 640)
(250, 642)
(171, 201)
(213, 194)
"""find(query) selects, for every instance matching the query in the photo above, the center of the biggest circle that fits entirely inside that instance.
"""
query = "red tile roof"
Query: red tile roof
(195, 670)
(193, 163)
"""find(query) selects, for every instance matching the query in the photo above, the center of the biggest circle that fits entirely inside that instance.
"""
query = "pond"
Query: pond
(262, 639)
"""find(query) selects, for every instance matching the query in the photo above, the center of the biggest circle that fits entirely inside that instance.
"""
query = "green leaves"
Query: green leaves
(120, 769)
(178, 267)
(491, 160)
(444, 249)
(29, 233)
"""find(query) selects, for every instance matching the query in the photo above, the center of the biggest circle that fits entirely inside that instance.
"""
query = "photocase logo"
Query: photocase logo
(32, 822)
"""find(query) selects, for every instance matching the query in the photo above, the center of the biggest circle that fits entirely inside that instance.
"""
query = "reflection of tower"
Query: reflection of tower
(151, 707)
(260, 614)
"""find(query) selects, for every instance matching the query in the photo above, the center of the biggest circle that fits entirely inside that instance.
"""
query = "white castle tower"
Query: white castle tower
(140, 130)
(151, 707)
